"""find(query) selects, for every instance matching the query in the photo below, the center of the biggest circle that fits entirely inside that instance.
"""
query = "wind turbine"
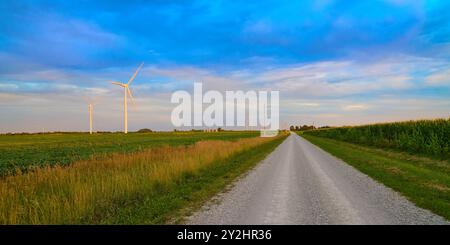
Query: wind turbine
(91, 102)
(91, 107)
(127, 90)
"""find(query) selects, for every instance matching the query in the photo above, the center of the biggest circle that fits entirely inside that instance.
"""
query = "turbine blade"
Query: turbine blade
(129, 93)
(135, 73)
(117, 83)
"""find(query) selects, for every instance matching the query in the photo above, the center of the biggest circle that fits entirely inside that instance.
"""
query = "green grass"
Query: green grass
(171, 203)
(424, 181)
(37, 150)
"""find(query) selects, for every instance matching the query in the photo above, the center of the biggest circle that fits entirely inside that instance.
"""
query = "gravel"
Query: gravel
(299, 183)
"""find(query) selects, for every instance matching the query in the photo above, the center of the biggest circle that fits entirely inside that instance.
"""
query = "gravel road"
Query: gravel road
(299, 183)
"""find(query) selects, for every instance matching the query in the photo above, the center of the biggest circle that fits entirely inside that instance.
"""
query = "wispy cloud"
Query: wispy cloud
(439, 79)
(357, 107)
(346, 78)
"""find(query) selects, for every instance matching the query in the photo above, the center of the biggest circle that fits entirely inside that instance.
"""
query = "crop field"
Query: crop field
(145, 186)
(22, 152)
(425, 137)
(412, 157)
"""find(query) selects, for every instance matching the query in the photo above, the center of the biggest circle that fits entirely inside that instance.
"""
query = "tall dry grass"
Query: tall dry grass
(66, 195)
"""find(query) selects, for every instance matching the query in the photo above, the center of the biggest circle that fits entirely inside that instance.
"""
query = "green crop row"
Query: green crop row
(424, 137)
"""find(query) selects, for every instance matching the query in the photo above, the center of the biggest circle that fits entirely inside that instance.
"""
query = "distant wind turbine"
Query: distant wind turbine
(91, 102)
(91, 107)
(127, 91)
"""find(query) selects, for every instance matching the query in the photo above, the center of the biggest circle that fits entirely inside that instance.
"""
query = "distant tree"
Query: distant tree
(219, 129)
(144, 130)
(297, 128)
(306, 127)
(292, 128)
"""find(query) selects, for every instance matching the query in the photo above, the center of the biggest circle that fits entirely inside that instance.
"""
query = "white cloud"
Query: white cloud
(8, 86)
(97, 91)
(341, 78)
(309, 104)
(356, 107)
(439, 79)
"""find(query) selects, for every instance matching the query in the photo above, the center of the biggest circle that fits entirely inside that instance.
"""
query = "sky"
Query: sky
(335, 63)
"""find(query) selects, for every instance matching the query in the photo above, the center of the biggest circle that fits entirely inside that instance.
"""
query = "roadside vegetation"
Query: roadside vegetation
(424, 137)
(28, 151)
(422, 176)
(155, 185)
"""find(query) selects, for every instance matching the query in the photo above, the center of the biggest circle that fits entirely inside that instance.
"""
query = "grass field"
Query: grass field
(37, 150)
(154, 185)
(425, 181)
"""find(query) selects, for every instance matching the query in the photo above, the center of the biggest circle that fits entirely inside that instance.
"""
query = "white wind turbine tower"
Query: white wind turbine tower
(91, 102)
(91, 107)
(127, 91)
(91, 117)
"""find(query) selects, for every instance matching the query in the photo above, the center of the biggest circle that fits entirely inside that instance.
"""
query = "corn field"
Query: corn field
(426, 137)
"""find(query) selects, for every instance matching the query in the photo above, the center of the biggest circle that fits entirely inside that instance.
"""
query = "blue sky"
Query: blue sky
(334, 62)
